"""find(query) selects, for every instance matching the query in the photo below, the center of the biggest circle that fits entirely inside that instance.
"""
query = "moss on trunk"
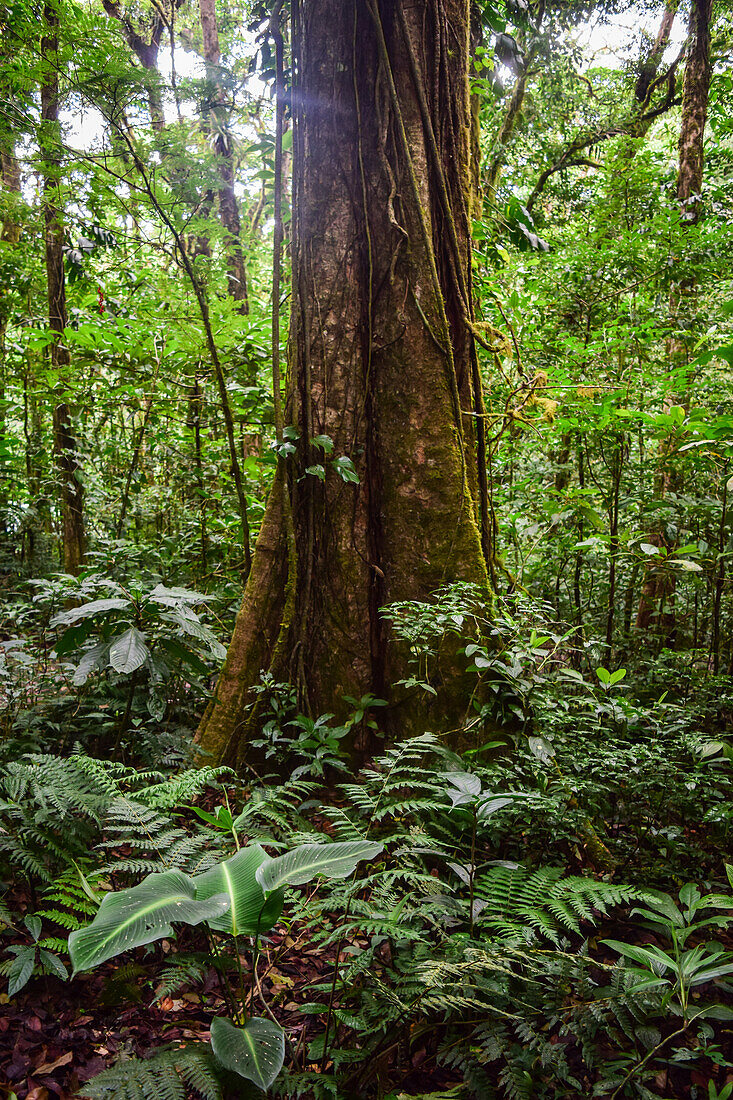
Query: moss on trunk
(381, 354)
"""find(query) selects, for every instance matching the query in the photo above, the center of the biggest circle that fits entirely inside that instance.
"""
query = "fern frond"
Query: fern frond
(517, 899)
(168, 1075)
(183, 971)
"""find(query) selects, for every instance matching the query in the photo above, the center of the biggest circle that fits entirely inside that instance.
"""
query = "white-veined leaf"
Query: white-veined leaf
(74, 614)
(255, 1051)
(249, 911)
(94, 658)
(541, 748)
(467, 786)
(309, 860)
(140, 915)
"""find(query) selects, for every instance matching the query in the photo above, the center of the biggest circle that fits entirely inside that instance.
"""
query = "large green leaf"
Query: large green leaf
(21, 969)
(304, 863)
(255, 1051)
(131, 918)
(94, 658)
(128, 652)
(74, 614)
(249, 911)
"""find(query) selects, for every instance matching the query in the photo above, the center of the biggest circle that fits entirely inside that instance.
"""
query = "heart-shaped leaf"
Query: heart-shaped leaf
(255, 1051)
(304, 863)
(249, 910)
(541, 748)
(143, 914)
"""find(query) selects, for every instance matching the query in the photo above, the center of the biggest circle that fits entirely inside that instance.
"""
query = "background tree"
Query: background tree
(64, 442)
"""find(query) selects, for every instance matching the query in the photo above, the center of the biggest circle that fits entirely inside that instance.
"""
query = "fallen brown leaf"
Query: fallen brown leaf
(49, 1067)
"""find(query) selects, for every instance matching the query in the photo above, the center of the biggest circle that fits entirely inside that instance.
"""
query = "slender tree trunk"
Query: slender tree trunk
(629, 600)
(649, 63)
(195, 406)
(617, 460)
(720, 572)
(134, 460)
(503, 138)
(9, 234)
(218, 126)
(659, 586)
(577, 572)
(382, 363)
(636, 125)
(65, 446)
(146, 49)
(694, 111)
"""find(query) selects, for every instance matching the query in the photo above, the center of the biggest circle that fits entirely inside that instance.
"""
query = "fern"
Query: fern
(183, 971)
(278, 810)
(50, 811)
(182, 789)
(155, 842)
(66, 903)
(518, 903)
(168, 1075)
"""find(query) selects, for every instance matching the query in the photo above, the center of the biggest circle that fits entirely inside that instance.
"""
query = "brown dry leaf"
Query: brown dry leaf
(49, 1067)
(280, 979)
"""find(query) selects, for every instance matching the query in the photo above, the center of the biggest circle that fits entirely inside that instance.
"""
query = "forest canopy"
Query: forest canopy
(366, 464)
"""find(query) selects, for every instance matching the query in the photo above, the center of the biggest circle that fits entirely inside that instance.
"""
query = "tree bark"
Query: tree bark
(695, 95)
(659, 585)
(65, 447)
(146, 50)
(217, 124)
(649, 63)
(382, 361)
(9, 234)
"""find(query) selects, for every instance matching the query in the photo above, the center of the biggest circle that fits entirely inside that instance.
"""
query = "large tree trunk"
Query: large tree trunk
(65, 447)
(382, 362)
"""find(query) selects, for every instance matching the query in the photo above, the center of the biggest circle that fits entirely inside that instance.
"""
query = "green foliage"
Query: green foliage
(676, 974)
(36, 958)
(598, 686)
(141, 915)
(517, 904)
(247, 891)
(52, 808)
(157, 631)
(169, 1074)
(249, 911)
(256, 1051)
